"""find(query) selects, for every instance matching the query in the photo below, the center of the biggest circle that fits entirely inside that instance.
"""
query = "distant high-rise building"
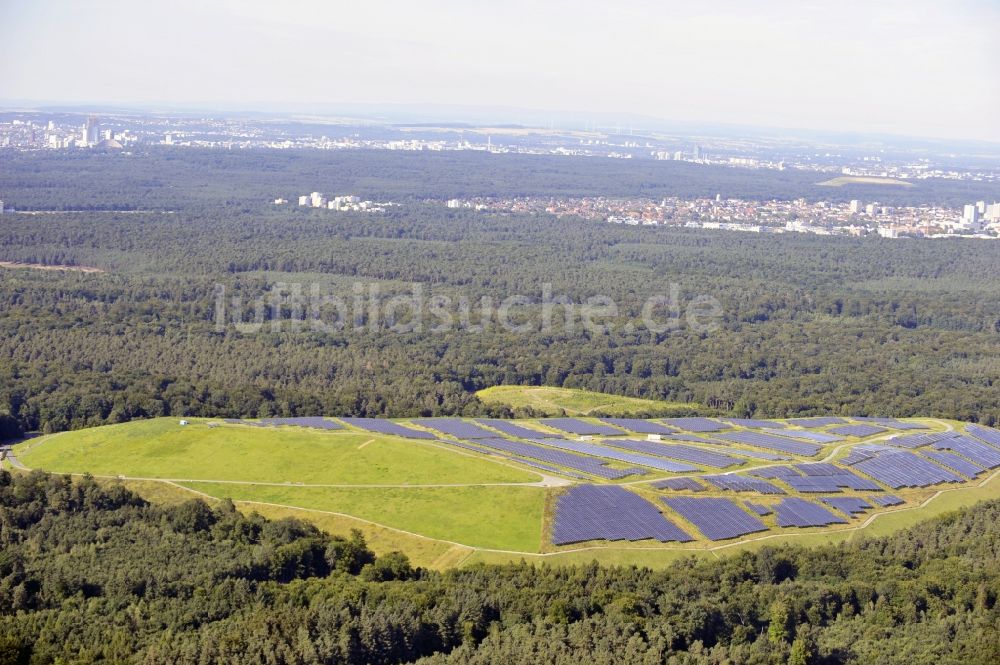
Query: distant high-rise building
(993, 212)
(855, 205)
(870, 209)
(678, 155)
(92, 131)
(304, 200)
(696, 153)
(52, 125)
(1, 207)
(981, 207)
(168, 139)
(970, 215)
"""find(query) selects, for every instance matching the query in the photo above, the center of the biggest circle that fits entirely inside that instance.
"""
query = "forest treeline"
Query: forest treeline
(91, 573)
(808, 325)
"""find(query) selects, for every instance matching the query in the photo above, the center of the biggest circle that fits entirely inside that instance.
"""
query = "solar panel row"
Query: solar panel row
(684, 453)
(955, 463)
(983, 454)
(716, 518)
(987, 434)
(743, 484)
(696, 424)
(772, 442)
(639, 426)
(797, 512)
(383, 426)
(576, 426)
(758, 508)
(594, 450)
(858, 430)
(917, 440)
(754, 423)
(610, 512)
(849, 505)
(886, 500)
(545, 454)
(515, 430)
(902, 468)
(314, 422)
(817, 437)
(455, 427)
(820, 421)
(689, 484)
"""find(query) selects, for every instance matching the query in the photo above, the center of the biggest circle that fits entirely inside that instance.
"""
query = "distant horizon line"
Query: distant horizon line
(421, 113)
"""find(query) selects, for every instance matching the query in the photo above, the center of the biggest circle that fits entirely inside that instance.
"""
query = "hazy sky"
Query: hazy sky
(917, 67)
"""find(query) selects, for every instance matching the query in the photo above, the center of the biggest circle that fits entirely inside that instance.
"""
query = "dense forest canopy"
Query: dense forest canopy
(807, 324)
(90, 574)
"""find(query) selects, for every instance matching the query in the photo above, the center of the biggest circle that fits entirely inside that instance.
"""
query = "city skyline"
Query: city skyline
(913, 69)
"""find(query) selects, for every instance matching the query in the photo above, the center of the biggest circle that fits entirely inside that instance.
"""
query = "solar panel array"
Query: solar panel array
(987, 434)
(697, 424)
(755, 423)
(610, 512)
(955, 463)
(902, 468)
(917, 440)
(774, 472)
(743, 484)
(758, 508)
(849, 505)
(886, 500)
(858, 430)
(314, 422)
(973, 449)
(639, 426)
(794, 511)
(577, 426)
(891, 422)
(240, 421)
(817, 437)
(545, 454)
(684, 453)
(594, 450)
(819, 421)
(382, 426)
(455, 427)
(772, 442)
(689, 484)
(515, 430)
(754, 454)
(716, 518)
(832, 476)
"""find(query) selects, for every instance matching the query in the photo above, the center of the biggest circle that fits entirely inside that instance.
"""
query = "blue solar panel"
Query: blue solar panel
(821, 421)
(753, 454)
(594, 450)
(314, 422)
(817, 437)
(758, 508)
(955, 463)
(696, 424)
(609, 512)
(973, 449)
(737, 483)
(684, 453)
(689, 484)
(849, 505)
(891, 422)
(771, 442)
(515, 430)
(387, 427)
(545, 454)
(455, 427)
(987, 434)
(716, 518)
(756, 424)
(639, 426)
(886, 500)
(858, 430)
(917, 440)
(576, 426)
(902, 468)
(797, 512)
(774, 472)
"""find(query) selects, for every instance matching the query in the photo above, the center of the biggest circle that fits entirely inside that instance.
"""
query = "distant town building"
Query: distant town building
(304, 200)
(855, 206)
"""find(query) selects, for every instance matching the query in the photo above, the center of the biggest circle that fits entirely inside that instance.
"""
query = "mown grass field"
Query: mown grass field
(507, 518)
(160, 448)
(572, 401)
